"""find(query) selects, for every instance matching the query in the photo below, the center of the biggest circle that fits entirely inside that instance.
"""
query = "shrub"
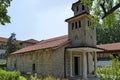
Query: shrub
(45, 78)
(110, 73)
(13, 75)
(2, 65)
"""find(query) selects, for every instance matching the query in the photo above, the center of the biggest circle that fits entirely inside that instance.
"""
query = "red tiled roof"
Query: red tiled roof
(31, 41)
(58, 41)
(110, 47)
(2, 39)
(44, 44)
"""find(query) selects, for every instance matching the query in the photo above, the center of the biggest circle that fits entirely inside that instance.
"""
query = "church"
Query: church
(69, 56)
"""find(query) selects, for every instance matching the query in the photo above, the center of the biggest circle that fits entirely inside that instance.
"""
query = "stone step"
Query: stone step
(89, 78)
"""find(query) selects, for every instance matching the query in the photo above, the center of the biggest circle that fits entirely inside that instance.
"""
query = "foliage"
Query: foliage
(4, 17)
(101, 8)
(22, 78)
(49, 78)
(2, 65)
(110, 73)
(45, 78)
(15, 75)
(108, 35)
(7, 75)
(2, 45)
(12, 44)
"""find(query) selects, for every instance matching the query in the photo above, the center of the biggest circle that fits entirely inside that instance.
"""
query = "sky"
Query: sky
(38, 19)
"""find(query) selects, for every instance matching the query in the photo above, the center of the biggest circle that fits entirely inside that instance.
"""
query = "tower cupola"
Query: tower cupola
(79, 8)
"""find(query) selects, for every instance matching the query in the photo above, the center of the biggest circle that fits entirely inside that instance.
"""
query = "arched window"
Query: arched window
(89, 23)
(75, 25)
(77, 8)
(79, 24)
(83, 7)
(72, 26)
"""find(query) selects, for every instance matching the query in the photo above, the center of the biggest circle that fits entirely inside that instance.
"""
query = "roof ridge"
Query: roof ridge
(31, 39)
(48, 40)
(53, 39)
(108, 44)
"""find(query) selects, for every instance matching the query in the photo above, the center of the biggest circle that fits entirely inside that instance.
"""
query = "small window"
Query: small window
(15, 66)
(83, 7)
(33, 67)
(75, 25)
(76, 37)
(79, 24)
(72, 26)
(77, 8)
(89, 23)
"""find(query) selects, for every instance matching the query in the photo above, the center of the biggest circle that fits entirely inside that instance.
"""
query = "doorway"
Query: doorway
(76, 66)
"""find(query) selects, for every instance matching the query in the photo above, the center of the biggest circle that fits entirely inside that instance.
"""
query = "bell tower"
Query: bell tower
(81, 30)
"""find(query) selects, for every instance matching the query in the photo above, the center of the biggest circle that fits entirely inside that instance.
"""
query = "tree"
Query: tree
(12, 44)
(105, 12)
(108, 35)
(4, 17)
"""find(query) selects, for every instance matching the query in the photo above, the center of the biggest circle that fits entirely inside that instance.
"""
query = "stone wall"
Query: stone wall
(84, 35)
(47, 62)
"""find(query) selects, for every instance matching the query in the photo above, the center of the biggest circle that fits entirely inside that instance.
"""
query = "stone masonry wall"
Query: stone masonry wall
(47, 62)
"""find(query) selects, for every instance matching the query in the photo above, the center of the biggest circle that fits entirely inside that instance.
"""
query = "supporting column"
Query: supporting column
(84, 66)
(71, 64)
(95, 62)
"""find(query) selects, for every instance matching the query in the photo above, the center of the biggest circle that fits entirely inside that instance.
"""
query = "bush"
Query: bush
(13, 75)
(45, 78)
(2, 65)
(22, 78)
(110, 73)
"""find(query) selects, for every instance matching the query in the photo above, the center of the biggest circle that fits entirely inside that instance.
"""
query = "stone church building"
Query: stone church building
(72, 55)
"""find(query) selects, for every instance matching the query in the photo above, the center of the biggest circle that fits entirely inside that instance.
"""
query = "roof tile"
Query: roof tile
(110, 47)
(50, 43)
(2, 39)
(31, 41)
